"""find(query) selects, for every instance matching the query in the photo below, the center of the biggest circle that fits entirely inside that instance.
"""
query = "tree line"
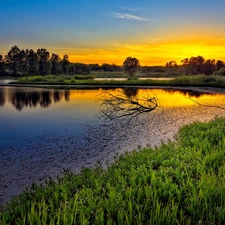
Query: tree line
(20, 62)
(198, 65)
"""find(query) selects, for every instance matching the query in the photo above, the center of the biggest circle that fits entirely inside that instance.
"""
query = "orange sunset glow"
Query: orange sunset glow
(151, 51)
(155, 33)
(162, 51)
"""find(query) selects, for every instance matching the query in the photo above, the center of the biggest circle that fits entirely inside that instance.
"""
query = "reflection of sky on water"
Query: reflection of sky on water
(30, 112)
(37, 142)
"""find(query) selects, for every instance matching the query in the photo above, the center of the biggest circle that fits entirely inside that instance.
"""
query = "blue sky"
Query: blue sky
(108, 31)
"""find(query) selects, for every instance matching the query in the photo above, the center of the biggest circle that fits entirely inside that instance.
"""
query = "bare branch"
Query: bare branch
(121, 106)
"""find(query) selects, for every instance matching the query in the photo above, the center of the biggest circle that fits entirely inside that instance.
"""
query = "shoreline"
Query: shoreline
(93, 86)
(23, 162)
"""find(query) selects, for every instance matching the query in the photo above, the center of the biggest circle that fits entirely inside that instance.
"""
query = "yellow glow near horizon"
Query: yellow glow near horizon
(170, 98)
(158, 52)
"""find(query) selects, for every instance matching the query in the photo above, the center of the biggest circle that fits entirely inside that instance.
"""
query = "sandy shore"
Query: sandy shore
(25, 161)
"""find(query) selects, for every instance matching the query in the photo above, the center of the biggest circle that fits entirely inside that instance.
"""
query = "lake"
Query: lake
(44, 130)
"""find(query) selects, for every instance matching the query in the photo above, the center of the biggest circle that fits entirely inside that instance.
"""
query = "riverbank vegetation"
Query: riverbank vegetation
(179, 81)
(23, 62)
(181, 182)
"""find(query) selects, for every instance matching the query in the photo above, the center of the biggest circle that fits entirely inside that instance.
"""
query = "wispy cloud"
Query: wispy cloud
(127, 16)
(132, 8)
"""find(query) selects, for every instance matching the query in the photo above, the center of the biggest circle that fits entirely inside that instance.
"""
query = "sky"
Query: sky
(101, 31)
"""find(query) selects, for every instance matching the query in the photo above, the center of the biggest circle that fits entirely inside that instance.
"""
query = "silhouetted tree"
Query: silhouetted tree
(209, 66)
(24, 64)
(185, 61)
(111, 67)
(153, 69)
(33, 62)
(2, 65)
(171, 64)
(44, 63)
(95, 67)
(130, 65)
(194, 65)
(172, 68)
(107, 67)
(117, 68)
(65, 64)
(56, 65)
(79, 68)
(219, 64)
(13, 59)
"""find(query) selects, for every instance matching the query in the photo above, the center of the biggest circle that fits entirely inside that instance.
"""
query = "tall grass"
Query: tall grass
(181, 182)
(200, 80)
(195, 81)
(54, 79)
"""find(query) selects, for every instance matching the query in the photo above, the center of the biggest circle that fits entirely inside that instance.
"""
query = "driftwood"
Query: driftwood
(124, 106)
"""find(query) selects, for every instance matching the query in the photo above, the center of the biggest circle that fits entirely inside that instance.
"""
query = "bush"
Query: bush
(132, 78)
(83, 77)
(36, 78)
(221, 72)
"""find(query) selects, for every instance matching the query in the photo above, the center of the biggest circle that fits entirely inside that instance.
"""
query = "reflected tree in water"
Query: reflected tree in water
(67, 95)
(21, 99)
(125, 105)
(130, 92)
(189, 93)
(57, 96)
(2, 98)
(46, 99)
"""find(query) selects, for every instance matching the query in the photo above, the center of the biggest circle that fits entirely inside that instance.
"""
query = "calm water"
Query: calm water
(43, 131)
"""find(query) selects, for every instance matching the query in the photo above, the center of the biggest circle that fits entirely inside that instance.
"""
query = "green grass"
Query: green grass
(200, 80)
(121, 74)
(106, 74)
(181, 182)
(54, 79)
(186, 81)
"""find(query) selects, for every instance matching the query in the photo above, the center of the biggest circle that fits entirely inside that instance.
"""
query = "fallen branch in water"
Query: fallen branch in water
(115, 107)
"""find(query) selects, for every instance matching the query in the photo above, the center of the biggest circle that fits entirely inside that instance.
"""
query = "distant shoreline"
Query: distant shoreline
(86, 86)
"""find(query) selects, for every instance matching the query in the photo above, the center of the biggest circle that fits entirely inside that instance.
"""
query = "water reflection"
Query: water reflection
(24, 98)
(67, 135)
(2, 98)
(130, 92)
(126, 105)
(189, 93)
